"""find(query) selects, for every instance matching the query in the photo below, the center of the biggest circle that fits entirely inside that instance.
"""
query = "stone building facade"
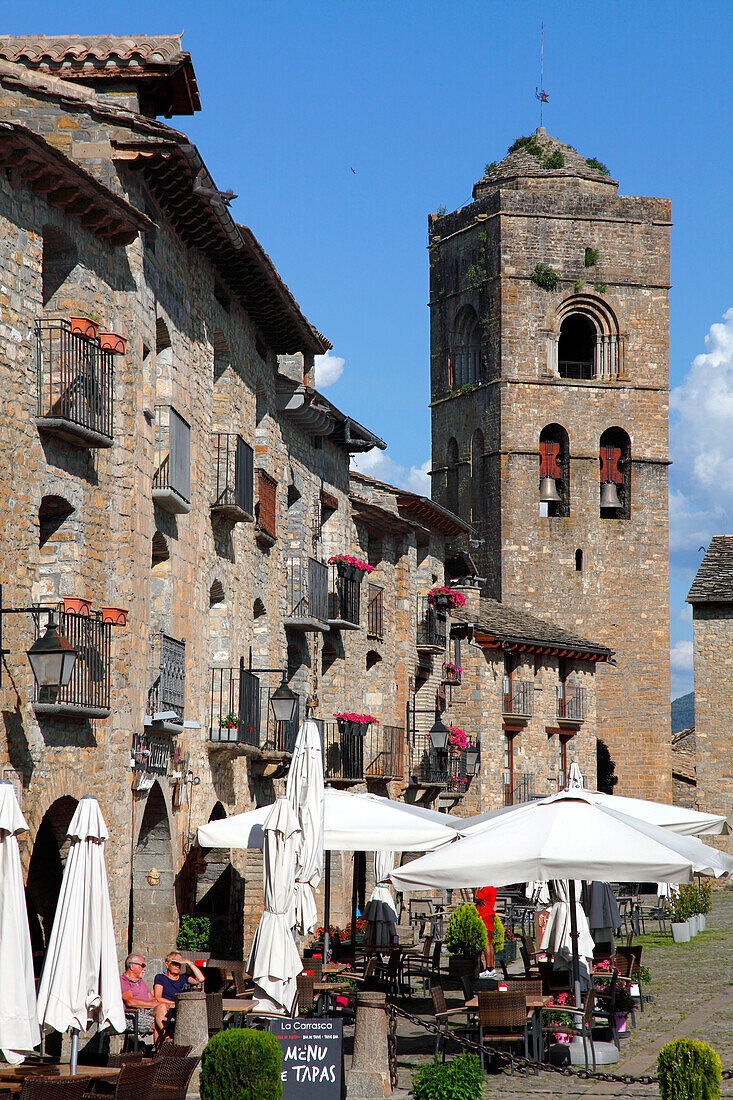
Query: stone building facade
(549, 384)
(195, 486)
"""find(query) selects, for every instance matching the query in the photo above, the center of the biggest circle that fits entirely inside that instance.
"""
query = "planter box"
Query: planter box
(112, 341)
(460, 965)
(508, 953)
(701, 921)
(82, 326)
(76, 605)
(681, 932)
(441, 603)
(115, 615)
(692, 925)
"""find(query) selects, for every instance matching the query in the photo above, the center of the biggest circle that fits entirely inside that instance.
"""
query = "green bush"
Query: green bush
(675, 907)
(193, 934)
(465, 933)
(458, 1079)
(241, 1064)
(497, 935)
(598, 165)
(600, 288)
(528, 145)
(475, 277)
(688, 1070)
(554, 160)
(545, 277)
(706, 897)
(591, 257)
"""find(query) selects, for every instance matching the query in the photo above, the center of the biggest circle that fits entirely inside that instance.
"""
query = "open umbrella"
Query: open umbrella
(567, 836)
(379, 911)
(274, 960)
(19, 1031)
(80, 983)
(305, 793)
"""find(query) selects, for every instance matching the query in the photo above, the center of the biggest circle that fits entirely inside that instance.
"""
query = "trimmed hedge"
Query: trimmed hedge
(465, 933)
(241, 1064)
(688, 1070)
(458, 1079)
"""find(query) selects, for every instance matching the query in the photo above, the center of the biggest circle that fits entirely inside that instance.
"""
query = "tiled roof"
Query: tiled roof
(422, 508)
(714, 580)
(515, 627)
(525, 162)
(158, 64)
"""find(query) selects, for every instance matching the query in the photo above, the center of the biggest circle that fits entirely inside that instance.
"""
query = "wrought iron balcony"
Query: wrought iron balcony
(307, 594)
(519, 788)
(344, 600)
(428, 766)
(571, 704)
(459, 776)
(168, 682)
(375, 612)
(431, 627)
(343, 750)
(150, 754)
(384, 752)
(75, 386)
(234, 487)
(172, 461)
(519, 699)
(87, 695)
(234, 709)
(266, 508)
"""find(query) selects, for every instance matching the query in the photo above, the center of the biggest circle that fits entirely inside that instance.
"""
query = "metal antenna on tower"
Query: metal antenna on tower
(540, 92)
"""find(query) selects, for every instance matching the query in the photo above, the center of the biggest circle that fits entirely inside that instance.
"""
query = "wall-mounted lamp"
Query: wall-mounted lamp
(51, 657)
(473, 760)
(284, 702)
(439, 734)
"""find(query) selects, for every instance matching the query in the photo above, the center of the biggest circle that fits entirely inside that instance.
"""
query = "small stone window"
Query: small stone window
(578, 561)
(576, 347)
(465, 356)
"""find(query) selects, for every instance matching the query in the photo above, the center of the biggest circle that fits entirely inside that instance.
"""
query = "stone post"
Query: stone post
(369, 1074)
(192, 1028)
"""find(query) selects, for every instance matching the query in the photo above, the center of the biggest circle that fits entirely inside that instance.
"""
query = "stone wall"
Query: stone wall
(712, 626)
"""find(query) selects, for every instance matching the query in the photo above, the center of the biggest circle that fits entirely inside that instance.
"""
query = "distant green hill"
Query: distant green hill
(683, 712)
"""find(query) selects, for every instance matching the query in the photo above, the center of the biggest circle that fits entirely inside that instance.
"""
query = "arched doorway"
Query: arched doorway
(45, 872)
(153, 924)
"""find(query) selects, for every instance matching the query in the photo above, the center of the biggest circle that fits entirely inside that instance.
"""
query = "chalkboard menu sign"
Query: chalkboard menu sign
(313, 1057)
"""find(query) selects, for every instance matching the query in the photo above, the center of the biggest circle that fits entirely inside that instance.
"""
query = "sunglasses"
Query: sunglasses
(174, 962)
(143, 966)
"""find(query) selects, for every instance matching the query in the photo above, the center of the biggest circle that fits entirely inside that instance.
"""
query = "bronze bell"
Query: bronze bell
(548, 491)
(609, 495)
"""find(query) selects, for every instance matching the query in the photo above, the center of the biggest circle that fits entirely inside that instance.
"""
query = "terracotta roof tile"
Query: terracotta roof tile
(40, 49)
(714, 580)
(515, 626)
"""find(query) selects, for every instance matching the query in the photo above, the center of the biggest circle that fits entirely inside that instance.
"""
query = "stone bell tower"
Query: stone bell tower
(549, 397)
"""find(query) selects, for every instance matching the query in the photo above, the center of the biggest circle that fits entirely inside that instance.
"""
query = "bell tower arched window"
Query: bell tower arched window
(466, 351)
(576, 347)
(586, 342)
(615, 474)
(554, 487)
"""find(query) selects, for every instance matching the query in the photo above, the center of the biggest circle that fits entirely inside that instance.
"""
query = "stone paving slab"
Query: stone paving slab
(692, 990)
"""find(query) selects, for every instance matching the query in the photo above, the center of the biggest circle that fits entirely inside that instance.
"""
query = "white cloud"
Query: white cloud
(691, 527)
(680, 656)
(378, 464)
(329, 369)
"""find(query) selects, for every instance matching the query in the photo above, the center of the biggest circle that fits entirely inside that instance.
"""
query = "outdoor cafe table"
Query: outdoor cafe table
(12, 1077)
(536, 1004)
(237, 1006)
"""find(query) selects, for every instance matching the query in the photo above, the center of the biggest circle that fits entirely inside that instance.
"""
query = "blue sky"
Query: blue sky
(340, 125)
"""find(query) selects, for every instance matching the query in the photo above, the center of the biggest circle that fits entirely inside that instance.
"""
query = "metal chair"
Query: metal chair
(502, 1018)
(443, 1018)
(628, 963)
(54, 1088)
(417, 964)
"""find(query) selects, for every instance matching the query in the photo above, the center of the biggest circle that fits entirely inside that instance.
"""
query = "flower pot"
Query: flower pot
(562, 1037)
(112, 341)
(692, 925)
(82, 326)
(115, 615)
(621, 1018)
(681, 932)
(441, 602)
(348, 572)
(701, 922)
(76, 605)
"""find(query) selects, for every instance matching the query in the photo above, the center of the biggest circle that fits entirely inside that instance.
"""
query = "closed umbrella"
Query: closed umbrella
(379, 911)
(305, 793)
(558, 932)
(19, 1031)
(80, 983)
(274, 961)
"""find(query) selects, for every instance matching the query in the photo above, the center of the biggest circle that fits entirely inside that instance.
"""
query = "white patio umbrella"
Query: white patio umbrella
(274, 960)
(80, 983)
(557, 935)
(379, 911)
(305, 793)
(567, 836)
(19, 1031)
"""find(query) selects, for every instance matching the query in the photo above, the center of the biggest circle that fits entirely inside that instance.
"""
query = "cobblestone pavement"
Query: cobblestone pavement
(692, 990)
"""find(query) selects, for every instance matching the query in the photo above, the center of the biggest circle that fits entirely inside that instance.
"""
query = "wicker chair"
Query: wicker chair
(171, 1081)
(444, 1018)
(214, 1013)
(136, 1078)
(583, 1025)
(502, 1018)
(628, 962)
(130, 1058)
(306, 997)
(242, 980)
(174, 1050)
(54, 1088)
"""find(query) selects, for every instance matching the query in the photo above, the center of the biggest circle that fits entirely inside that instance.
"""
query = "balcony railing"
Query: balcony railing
(458, 774)
(172, 461)
(428, 767)
(75, 386)
(87, 695)
(307, 595)
(343, 750)
(375, 612)
(167, 691)
(431, 626)
(276, 736)
(234, 710)
(344, 600)
(518, 700)
(234, 488)
(519, 788)
(571, 705)
(150, 754)
(384, 752)
(266, 508)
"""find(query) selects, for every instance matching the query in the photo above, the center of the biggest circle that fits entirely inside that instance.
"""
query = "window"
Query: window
(562, 760)
(554, 490)
(615, 474)
(587, 343)
(576, 347)
(465, 357)
(509, 768)
(579, 561)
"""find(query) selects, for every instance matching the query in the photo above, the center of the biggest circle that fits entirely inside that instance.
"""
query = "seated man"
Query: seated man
(136, 994)
(168, 985)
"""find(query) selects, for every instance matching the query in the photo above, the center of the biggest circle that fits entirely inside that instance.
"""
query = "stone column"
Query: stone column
(192, 1028)
(369, 1074)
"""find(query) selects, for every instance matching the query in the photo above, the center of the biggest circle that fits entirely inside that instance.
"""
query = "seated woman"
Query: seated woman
(167, 986)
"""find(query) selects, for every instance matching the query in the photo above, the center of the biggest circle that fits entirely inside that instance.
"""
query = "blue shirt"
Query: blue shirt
(171, 986)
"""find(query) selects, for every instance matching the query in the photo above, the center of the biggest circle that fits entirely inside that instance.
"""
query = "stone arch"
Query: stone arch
(152, 925)
(452, 475)
(219, 624)
(45, 871)
(219, 895)
(615, 468)
(555, 464)
(478, 493)
(584, 340)
(59, 258)
(466, 348)
(61, 535)
(258, 608)
(163, 362)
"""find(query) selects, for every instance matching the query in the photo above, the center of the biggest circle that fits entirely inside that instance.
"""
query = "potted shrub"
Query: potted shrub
(622, 1006)
(113, 341)
(241, 1061)
(442, 597)
(351, 723)
(465, 938)
(688, 898)
(677, 912)
(452, 673)
(457, 740)
(560, 1019)
(706, 903)
(350, 567)
(76, 605)
(689, 1070)
(115, 615)
(84, 326)
(229, 721)
(460, 1078)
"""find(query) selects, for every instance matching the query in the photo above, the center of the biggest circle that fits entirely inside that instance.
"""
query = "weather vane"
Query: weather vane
(540, 92)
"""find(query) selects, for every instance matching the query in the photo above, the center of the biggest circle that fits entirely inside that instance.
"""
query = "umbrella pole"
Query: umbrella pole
(74, 1050)
(574, 936)
(326, 905)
